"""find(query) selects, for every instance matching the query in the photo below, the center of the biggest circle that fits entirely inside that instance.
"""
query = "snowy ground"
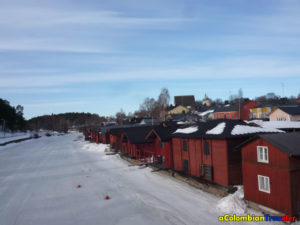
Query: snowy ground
(10, 136)
(39, 178)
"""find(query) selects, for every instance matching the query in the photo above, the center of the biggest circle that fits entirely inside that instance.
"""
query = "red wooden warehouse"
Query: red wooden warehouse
(161, 137)
(208, 151)
(135, 145)
(271, 171)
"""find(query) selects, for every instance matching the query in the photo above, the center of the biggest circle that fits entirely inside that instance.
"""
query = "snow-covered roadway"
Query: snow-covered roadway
(39, 178)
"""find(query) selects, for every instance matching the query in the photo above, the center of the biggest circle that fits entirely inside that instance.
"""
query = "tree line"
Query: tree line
(11, 118)
(64, 121)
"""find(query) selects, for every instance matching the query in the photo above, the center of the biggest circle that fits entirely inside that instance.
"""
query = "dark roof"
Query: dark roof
(227, 108)
(165, 133)
(286, 142)
(184, 100)
(137, 135)
(229, 126)
(292, 110)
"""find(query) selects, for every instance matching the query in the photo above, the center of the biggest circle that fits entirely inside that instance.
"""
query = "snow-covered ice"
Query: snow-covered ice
(39, 182)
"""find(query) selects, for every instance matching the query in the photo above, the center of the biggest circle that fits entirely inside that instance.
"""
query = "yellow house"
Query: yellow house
(178, 110)
(261, 112)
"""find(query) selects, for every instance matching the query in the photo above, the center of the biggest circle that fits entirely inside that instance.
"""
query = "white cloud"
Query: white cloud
(241, 67)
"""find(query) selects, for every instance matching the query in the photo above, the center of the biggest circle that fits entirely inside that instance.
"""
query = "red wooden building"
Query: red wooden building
(135, 145)
(87, 134)
(238, 111)
(161, 137)
(208, 151)
(104, 135)
(271, 171)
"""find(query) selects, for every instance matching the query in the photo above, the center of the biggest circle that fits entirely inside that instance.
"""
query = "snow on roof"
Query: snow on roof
(245, 129)
(217, 129)
(278, 124)
(182, 122)
(206, 112)
(187, 130)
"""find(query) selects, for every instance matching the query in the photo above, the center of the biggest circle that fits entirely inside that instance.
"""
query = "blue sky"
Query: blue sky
(100, 56)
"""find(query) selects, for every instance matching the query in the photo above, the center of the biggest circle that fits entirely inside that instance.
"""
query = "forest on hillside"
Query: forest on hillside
(64, 121)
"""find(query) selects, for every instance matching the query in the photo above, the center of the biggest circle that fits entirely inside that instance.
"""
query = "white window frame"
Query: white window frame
(264, 184)
(262, 154)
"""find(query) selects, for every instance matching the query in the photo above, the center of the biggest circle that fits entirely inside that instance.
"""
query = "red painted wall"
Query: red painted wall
(278, 172)
(227, 115)
(222, 158)
(245, 111)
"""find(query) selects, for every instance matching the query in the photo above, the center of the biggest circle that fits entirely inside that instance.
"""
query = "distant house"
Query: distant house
(286, 113)
(236, 111)
(261, 111)
(185, 100)
(206, 101)
(207, 115)
(178, 110)
(271, 171)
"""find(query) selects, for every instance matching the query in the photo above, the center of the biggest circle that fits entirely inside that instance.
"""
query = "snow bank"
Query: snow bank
(217, 129)
(233, 203)
(8, 136)
(244, 129)
(93, 147)
(187, 130)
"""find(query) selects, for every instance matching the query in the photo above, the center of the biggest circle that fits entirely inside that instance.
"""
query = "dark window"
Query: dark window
(184, 145)
(206, 148)
(208, 171)
(161, 144)
(186, 166)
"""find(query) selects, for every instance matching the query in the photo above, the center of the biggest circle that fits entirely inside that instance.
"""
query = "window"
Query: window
(208, 171)
(262, 154)
(281, 119)
(264, 184)
(161, 144)
(186, 166)
(184, 145)
(206, 148)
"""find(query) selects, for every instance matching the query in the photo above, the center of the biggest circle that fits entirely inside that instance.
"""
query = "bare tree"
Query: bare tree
(163, 102)
(120, 117)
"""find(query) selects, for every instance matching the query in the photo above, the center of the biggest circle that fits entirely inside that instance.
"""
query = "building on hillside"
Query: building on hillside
(261, 111)
(271, 171)
(236, 111)
(206, 101)
(286, 113)
(207, 151)
(185, 100)
(178, 110)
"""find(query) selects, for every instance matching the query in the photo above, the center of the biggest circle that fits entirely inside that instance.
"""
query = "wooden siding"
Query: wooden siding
(278, 172)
